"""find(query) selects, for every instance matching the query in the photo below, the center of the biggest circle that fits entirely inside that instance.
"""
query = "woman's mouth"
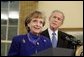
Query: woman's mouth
(36, 27)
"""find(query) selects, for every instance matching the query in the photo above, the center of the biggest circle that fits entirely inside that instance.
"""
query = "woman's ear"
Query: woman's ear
(28, 25)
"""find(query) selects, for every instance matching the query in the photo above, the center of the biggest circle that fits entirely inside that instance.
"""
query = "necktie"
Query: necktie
(54, 41)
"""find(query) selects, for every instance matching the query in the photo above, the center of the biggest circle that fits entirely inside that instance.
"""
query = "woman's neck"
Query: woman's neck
(37, 34)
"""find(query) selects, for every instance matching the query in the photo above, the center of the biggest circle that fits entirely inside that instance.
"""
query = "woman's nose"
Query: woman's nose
(38, 23)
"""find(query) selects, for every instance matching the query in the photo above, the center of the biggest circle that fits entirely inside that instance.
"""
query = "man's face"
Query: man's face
(56, 20)
(36, 25)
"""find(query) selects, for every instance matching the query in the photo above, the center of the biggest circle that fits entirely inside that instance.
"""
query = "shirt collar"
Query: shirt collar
(33, 36)
(50, 33)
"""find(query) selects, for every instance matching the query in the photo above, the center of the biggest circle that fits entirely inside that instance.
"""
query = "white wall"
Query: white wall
(73, 11)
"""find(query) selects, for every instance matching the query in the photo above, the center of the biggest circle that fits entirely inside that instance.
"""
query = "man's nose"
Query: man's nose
(55, 19)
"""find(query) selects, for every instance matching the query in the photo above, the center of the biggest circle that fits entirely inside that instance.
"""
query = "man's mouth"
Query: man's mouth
(54, 23)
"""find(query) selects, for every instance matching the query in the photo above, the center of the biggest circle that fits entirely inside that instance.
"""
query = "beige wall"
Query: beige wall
(73, 11)
(26, 7)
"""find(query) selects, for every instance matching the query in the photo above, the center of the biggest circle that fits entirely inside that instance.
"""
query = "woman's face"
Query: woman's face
(36, 25)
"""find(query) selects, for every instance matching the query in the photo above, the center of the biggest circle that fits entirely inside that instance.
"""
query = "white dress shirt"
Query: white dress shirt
(50, 34)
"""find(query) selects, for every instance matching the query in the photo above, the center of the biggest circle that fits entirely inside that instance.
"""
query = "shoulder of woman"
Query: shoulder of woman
(19, 37)
(44, 37)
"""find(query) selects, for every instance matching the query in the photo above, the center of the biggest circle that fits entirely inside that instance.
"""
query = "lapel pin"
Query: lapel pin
(44, 40)
(37, 43)
(23, 41)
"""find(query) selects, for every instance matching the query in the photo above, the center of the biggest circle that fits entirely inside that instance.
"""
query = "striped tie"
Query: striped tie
(54, 42)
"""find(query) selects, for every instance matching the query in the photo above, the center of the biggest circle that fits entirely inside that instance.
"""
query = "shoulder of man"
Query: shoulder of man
(45, 31)
(64, 34)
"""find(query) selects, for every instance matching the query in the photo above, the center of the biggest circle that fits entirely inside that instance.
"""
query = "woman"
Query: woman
(32, 42)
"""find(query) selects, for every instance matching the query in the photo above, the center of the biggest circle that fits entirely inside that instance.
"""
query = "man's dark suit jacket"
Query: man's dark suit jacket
(62, 41)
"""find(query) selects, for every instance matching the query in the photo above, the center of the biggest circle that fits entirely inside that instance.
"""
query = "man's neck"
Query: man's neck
(53, 29)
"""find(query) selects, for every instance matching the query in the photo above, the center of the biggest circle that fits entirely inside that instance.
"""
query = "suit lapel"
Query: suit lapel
(59, 39)
(45, 33)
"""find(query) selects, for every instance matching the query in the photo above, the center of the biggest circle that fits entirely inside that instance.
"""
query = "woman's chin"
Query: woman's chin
(37, 32)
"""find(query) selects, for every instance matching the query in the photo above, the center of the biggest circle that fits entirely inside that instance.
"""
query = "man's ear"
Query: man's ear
(49, 18)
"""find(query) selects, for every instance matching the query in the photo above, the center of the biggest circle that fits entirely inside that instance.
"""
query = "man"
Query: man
(63, 40)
